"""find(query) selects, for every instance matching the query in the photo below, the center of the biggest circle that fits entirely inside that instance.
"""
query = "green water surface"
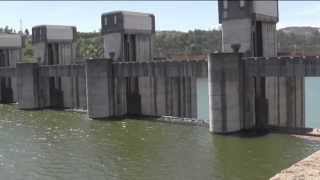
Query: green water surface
(50, 145)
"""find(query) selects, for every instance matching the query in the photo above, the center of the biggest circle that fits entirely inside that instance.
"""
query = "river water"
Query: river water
(54, 145)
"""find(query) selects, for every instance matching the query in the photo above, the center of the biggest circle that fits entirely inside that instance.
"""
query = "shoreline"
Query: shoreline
(308, 168)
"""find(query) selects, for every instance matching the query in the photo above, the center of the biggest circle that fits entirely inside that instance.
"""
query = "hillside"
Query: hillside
(305, 30)
(299, 40)
(293, 40)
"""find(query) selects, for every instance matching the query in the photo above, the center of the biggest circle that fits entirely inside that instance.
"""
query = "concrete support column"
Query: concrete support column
(28, 85)
(82, 92)
(249, 120)
(99, 88)
(261, 103)
(120, 96)
(193, 93)
(295, 102)
(175, 85)
(226, 107)
(160, 93)
(187, 107)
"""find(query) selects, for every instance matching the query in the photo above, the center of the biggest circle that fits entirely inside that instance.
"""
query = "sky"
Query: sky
(170, 15)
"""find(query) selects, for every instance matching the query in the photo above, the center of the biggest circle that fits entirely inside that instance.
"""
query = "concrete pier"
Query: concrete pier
(99, 88)
(226, 105)
(28, 85)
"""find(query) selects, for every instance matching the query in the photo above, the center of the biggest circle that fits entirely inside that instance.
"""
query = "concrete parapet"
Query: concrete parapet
(161, 69)
(72, 70)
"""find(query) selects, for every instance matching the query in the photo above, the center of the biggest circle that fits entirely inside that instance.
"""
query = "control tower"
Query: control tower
(128, 36)
(54, 45)
(252, 25)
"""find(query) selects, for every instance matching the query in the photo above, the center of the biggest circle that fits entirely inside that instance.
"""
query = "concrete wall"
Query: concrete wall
(280, 90)
(120, 96)
(10, 58)
(137, 21)
(230, 94)
(287, 102)
(173, 93)
(10, 40)
(127, 22)
(284, 88)
(72, 88)
(67, 53)
(112, 43)
(61, 33)
(147, 85)
(175, 96)
(81, 93)
(236, 31)
(268, 8)
(15, 57)
(269, 39)
(40, 52)
(67, 56)
(165, 86)
(144, 47)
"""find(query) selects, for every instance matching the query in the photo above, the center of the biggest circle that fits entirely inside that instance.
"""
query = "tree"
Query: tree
(26, 32)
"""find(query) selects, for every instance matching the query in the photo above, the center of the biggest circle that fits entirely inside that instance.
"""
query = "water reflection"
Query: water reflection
(66, 145)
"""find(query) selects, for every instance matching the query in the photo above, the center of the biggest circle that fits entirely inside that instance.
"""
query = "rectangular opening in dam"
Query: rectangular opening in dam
(312, 102)
(202, 99)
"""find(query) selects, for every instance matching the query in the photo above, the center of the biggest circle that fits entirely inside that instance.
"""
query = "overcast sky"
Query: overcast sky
(170, 15)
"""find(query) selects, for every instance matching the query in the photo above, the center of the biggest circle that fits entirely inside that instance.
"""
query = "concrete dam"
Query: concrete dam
(229, 106)
(244, 92)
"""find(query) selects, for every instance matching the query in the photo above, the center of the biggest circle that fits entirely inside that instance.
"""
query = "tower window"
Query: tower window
(242, 3)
